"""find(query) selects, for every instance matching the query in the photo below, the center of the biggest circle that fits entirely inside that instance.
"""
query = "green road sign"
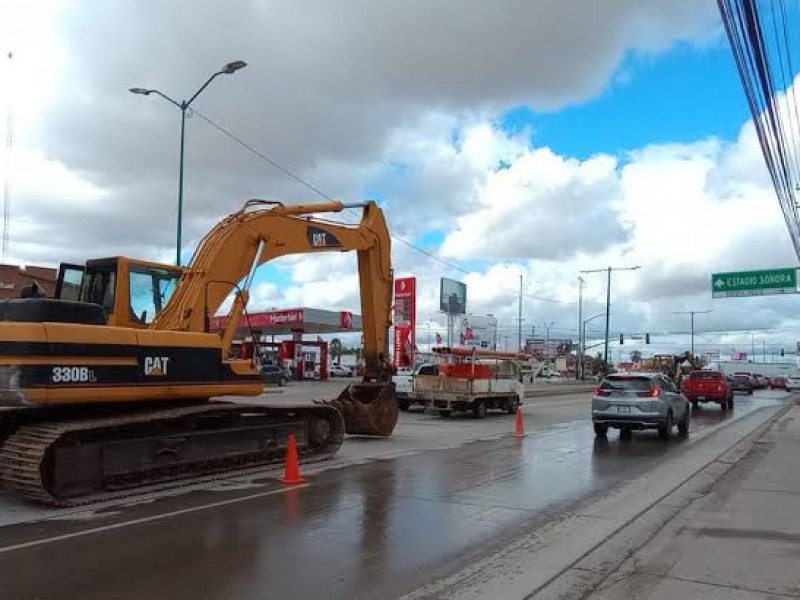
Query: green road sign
(754, 283)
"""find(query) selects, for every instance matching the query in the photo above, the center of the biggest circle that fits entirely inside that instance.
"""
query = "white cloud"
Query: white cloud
(396, 99)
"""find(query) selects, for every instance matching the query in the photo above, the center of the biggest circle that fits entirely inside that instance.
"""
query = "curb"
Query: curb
(705, 477)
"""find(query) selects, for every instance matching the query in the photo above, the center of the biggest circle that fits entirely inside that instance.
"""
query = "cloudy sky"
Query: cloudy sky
(506, 138)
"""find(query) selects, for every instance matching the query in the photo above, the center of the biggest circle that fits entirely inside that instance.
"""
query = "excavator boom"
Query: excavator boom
(262, 231)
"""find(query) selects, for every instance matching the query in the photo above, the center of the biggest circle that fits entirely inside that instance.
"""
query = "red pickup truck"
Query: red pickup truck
(708, 386)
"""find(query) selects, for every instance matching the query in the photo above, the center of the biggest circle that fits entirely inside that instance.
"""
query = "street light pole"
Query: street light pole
(519, 323)
(583, 334)
(228, 69)
(580, 319)
(692, 313)
(608, 314)
(547, 343)
(608, 300)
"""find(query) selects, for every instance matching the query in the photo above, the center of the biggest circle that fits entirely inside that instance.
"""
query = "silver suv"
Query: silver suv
(631, 401)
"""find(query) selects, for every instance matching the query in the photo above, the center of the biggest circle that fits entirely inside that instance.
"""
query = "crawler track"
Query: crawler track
(80, 461)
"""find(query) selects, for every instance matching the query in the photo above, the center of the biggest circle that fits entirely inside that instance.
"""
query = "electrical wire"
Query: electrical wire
(748, 40)
(232, 136)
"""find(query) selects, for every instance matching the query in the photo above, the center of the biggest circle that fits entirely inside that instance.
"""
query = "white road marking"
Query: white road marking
(174, 513)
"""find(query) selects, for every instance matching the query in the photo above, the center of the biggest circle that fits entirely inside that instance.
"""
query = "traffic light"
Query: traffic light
(781, 351)
(646, 338)
(621, 339)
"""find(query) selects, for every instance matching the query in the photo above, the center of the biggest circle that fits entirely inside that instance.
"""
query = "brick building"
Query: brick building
(13, 278)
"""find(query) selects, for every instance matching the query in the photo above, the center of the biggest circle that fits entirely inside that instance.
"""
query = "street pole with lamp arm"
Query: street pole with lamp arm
(608, 299)
(231, 67)
(583, 332)
(692, 313)
(547, 343)
(580, 337)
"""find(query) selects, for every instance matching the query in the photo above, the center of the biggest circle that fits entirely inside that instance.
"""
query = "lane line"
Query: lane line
(150, 519)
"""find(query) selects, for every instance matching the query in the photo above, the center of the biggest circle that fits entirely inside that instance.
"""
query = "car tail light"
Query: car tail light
(720, 389)
(598, 391)
(654, 392)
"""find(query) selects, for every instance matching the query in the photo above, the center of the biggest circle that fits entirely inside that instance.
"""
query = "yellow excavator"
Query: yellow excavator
(114, 383)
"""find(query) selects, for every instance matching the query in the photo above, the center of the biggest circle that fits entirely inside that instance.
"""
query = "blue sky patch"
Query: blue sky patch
(683, 95)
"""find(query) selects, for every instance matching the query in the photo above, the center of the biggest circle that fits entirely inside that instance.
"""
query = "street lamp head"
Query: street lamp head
(234, 66)
(141, 91)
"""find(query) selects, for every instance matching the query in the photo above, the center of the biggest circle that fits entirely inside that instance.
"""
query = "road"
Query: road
(382, 519)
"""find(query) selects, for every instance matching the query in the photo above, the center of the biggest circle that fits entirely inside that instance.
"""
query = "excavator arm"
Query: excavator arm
(264, 230)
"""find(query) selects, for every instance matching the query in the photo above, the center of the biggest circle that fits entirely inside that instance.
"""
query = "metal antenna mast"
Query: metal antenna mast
(7, 174)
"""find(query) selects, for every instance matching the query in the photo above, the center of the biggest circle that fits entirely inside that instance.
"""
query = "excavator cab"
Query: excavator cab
(131, 292)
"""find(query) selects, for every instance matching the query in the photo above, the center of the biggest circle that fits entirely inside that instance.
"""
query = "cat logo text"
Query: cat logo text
(156, 366)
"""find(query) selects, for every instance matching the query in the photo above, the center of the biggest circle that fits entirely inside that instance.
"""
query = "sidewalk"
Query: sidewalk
(742, 540)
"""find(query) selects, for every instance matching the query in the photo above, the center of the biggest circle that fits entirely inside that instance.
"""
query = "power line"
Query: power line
(229, 134)
(743, 26)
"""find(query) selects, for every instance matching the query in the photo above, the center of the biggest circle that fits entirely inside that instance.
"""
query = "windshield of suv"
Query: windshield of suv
(636, 384)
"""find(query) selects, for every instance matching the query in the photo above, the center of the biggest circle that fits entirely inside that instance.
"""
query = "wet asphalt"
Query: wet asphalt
(374, 530)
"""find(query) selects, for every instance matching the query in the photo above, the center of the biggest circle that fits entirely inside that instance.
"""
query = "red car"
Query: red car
(708, 386)
(777, 383)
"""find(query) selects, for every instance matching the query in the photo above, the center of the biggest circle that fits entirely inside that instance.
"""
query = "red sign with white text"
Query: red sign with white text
(405, 321)
(261, 319)
(346, 320)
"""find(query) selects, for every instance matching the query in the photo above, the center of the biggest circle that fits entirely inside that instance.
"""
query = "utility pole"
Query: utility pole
(764, 351)
(692, 313)
(547, 343)
(578, 364)
(608, 300)
(752, 347)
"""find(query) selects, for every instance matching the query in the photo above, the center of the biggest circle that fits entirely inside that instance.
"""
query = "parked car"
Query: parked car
(708, 386)
(793, 382)
(340, 371)
(743, 382)
(628, 401)
(274, 374)
(777, 383)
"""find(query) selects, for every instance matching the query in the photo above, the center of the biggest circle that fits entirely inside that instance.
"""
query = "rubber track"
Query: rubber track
(24, 451)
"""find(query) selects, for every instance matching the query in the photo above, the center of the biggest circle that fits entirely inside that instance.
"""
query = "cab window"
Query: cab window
(150, 289)
(98, 288)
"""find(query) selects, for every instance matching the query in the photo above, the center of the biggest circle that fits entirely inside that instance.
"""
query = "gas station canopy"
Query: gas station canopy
(294, 320)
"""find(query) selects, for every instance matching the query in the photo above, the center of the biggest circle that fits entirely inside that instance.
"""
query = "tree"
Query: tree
(336, 349)
(636, 356)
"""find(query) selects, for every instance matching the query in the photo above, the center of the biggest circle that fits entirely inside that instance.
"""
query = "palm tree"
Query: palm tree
(336, 349)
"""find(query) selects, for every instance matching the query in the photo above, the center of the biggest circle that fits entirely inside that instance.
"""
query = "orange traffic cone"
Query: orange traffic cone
(519, 425)
(291, 474)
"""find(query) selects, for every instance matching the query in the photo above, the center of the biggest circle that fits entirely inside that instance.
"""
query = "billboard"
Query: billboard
(477, 331)
(405, 321)
(555, 347)
(452, 296)
(739, 356)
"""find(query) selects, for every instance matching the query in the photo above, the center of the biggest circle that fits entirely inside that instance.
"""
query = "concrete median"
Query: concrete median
(557, 390)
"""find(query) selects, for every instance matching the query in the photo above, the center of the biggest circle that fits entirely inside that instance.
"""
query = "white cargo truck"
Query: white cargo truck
(404, 384)
(471, 379)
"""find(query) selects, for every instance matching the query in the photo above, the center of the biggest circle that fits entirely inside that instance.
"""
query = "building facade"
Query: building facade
(14, 278)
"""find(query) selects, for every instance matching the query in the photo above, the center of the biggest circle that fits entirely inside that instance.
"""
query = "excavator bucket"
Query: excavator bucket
(368, 408)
